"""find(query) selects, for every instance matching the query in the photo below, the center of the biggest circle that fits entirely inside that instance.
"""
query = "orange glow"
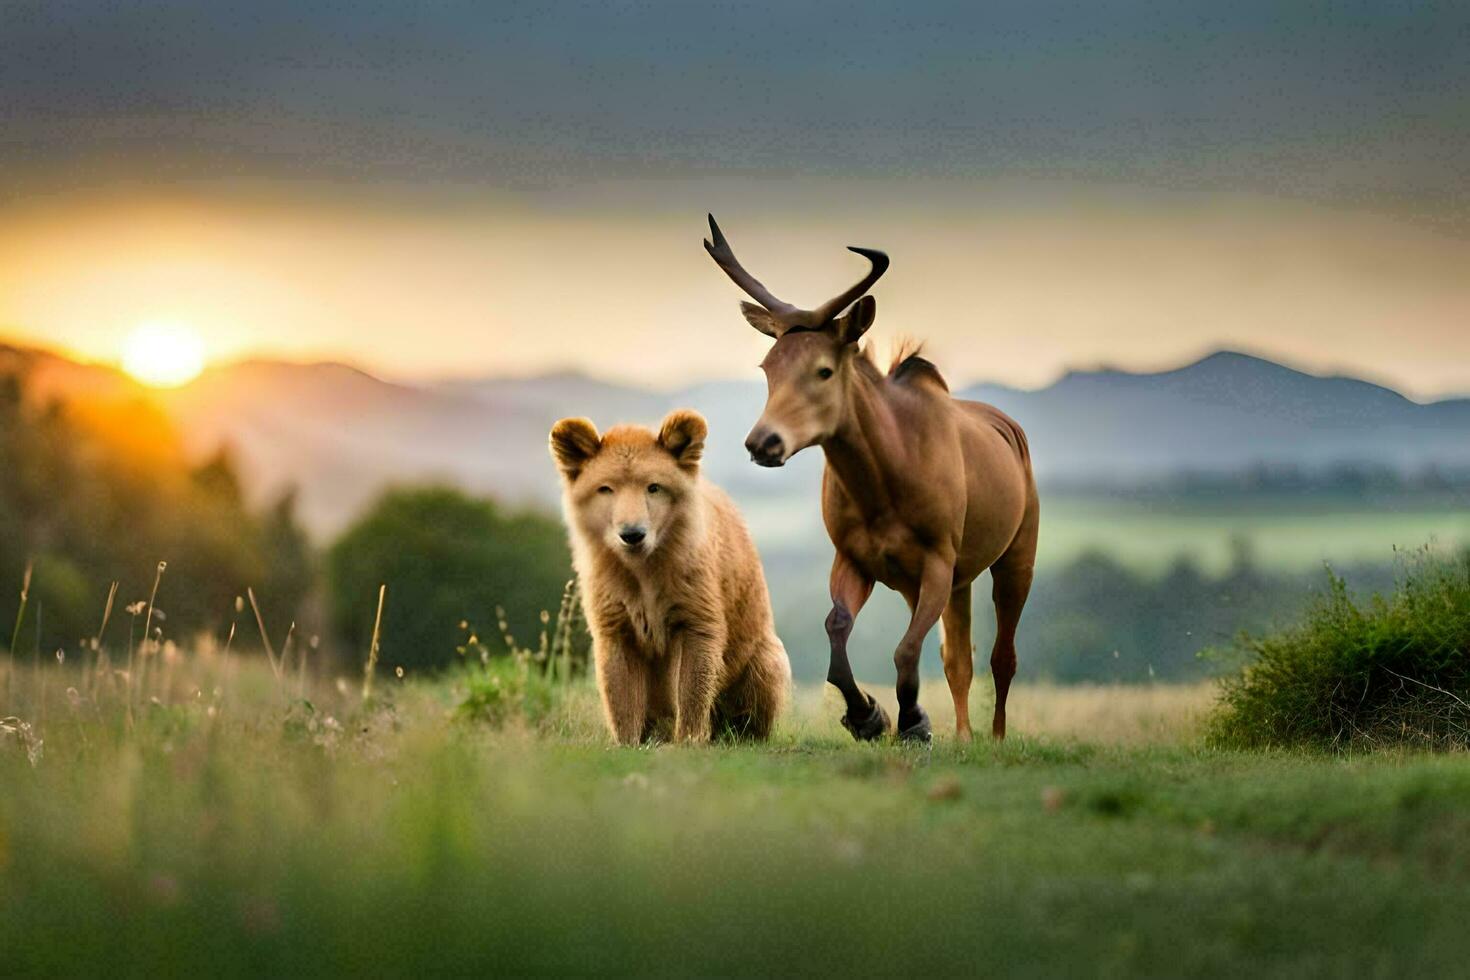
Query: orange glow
(1008, 283)
(163, 355)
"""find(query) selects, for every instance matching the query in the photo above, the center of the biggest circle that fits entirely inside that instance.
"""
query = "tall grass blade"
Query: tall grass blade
(25, 596)
(106, 615)
(372, 661)
(148, 643)
(265, 637)
(152, 598)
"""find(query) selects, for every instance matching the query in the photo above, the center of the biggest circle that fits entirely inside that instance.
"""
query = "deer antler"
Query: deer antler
(836, 305)
(789, 315)
(725, 259)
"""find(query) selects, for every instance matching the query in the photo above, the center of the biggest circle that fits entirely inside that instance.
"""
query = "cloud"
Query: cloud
(1365, 101)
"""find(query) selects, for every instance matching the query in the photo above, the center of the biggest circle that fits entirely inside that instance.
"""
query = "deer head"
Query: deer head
(810, 366)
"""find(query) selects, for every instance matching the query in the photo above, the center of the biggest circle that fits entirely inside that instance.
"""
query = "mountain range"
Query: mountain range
(342, 435)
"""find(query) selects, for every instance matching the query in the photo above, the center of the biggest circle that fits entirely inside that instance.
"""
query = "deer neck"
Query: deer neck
(862, 451)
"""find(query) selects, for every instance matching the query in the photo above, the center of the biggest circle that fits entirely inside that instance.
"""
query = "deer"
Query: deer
(921, 491)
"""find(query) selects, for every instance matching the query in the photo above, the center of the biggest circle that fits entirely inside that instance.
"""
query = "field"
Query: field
(1284, 534)
(234, 828)
(1290, 535)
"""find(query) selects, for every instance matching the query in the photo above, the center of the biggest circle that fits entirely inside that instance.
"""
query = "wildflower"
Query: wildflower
(25, 736)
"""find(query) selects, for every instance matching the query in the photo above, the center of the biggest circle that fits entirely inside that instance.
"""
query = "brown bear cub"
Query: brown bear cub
(671, 584)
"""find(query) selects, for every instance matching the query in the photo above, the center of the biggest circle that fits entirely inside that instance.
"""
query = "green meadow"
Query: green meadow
(1283, 535)
(213, 819)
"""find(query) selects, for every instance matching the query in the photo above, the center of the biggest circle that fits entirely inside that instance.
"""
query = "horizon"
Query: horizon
(449, 380)
(1333, 291)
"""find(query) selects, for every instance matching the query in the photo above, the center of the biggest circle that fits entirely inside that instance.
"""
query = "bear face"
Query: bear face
(630, 489)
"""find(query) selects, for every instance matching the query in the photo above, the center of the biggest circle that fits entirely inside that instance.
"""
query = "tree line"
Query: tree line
(97, 492)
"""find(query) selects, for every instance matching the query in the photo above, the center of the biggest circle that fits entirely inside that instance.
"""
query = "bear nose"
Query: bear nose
(764, 446)
(632, 534)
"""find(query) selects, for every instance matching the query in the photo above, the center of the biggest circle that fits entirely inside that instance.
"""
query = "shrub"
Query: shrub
(1393, 670)
(506, 688)
(521, 684)
(446, 558)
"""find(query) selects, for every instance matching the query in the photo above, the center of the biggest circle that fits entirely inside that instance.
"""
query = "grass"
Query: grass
(1284, 534)
(1392, 670)
(234, 829)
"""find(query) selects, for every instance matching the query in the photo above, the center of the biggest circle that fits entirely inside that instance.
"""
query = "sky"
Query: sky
(458, 189)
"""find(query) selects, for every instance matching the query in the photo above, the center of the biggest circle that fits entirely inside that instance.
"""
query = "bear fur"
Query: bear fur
(683, 637)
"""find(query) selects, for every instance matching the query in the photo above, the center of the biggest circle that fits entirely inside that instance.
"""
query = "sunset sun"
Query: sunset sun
(163, 355)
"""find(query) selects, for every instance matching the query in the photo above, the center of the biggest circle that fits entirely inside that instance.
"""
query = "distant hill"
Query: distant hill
(52, 375)
(1227, 411)
(343, 435)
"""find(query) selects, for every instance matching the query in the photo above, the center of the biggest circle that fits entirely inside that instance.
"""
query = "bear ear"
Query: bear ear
(682, 434)
(573, 443)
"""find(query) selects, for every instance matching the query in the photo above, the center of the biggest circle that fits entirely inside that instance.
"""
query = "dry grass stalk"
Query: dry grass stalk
(265, 637)
(561, 647)
(286, 647)
(106, 616)
(149, 642)
(25, 595)
(152, 597)
(372, 661)
(89, 675)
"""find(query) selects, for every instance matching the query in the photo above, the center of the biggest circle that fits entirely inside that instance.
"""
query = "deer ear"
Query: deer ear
(573, 443)
(851, 326)
(682, 434)
(762, 319)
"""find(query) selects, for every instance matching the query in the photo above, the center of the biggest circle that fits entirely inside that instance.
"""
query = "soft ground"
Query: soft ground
(232, 828)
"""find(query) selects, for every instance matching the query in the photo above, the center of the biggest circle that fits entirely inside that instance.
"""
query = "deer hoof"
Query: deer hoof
(868, 728)
(916, 728)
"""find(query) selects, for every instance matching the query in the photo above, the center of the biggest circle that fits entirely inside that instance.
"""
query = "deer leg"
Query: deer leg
(958, 653)
(1011, 585)
(934, 591)
(850, 591)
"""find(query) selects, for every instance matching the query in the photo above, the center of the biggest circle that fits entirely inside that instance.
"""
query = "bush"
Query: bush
(446, 558)
(1394, 670)
(507, 688)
